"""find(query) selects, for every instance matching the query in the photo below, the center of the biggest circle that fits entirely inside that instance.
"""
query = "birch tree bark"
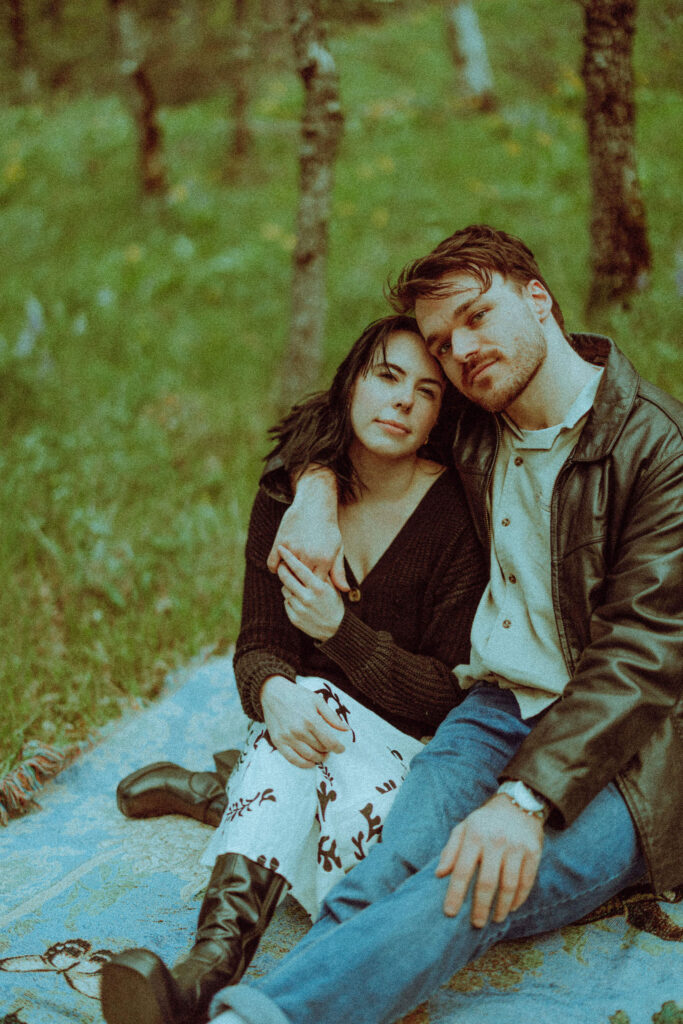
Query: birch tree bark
(620, 251)
(132, 52)
(26, 75)
(321, 129)
(241, 144)
(468, 51)
(17, 27)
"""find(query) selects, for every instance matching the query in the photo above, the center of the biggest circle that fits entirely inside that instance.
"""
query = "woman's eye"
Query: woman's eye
(387, 375)
(428, 393)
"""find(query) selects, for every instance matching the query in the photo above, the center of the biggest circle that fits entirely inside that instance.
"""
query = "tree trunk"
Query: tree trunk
(242, 139)
(26, 74)
(17, 27)
(468, 51)
(620, 252)
(132, 52)
(55, 10)
(321, 130)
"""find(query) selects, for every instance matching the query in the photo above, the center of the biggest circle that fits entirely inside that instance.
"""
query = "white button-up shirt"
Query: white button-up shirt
(514, 634)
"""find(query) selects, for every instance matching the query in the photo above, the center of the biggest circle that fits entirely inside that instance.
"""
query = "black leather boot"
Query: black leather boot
(240, 900)
(167, 788)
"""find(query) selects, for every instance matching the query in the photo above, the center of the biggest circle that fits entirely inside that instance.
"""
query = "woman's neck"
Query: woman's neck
(385, 479)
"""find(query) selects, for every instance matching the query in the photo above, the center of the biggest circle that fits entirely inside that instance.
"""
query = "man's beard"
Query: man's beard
(497, 398)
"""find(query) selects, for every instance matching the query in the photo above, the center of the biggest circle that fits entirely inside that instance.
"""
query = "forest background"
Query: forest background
(141, 338)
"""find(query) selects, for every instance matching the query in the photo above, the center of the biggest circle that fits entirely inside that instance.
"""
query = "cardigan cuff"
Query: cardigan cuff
(352, 645)
(251, 672)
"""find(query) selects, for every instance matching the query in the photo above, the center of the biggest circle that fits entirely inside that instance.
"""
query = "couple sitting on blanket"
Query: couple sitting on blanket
(541, 793)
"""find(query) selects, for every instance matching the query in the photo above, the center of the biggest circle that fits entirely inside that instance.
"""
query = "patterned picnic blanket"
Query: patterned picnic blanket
(79, 881)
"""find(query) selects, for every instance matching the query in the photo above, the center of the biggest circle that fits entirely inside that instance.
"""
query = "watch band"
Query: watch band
(526, 799)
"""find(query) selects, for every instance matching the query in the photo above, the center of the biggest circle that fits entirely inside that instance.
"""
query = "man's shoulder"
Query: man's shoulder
(656, 402)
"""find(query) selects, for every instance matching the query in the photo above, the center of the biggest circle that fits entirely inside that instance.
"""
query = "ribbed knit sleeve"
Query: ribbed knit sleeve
(418, 684)
(268, 644)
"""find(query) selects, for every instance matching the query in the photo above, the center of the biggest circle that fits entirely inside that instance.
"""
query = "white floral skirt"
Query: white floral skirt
(312, 825)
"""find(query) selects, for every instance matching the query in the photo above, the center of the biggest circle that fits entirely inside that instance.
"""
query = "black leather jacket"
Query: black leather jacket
(617, 580)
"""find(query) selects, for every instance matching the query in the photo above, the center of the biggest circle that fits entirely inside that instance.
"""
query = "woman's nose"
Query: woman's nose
(404, 400)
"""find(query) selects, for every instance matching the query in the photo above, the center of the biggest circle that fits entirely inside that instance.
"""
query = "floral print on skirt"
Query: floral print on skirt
(312, 825)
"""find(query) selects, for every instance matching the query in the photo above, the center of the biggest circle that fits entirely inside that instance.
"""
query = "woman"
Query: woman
(337, 704)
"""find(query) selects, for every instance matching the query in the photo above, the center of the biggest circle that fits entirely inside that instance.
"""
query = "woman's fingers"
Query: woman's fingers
(291, 755)
(298, 569)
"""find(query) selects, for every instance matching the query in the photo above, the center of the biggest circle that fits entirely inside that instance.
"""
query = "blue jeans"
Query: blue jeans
(382, 943)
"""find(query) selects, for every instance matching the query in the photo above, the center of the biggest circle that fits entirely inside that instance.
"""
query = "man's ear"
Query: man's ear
(540, 299)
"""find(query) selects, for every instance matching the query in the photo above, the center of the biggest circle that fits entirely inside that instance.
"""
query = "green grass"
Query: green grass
(140, 340)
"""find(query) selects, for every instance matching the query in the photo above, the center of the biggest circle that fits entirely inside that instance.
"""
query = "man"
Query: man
(557, 780)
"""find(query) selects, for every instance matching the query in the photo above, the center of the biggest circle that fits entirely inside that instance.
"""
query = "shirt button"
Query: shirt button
(354, 595)
(505, 522)
(519, 460)
(513, 578)
(506, 623)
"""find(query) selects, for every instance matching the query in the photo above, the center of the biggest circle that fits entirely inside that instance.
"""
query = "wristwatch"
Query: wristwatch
(526, 799)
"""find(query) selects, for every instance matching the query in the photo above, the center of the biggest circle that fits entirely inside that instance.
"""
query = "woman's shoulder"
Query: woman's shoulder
(266, 513)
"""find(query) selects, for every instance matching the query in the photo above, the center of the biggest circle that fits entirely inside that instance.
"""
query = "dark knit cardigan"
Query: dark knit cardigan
(397, 645)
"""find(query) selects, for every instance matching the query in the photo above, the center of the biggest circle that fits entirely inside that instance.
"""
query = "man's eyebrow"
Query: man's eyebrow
(435, 336)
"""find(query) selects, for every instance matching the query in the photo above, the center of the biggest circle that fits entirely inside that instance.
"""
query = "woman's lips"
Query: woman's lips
(394, 426)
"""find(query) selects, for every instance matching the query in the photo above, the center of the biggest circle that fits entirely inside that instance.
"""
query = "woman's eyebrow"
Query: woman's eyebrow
(402, 372)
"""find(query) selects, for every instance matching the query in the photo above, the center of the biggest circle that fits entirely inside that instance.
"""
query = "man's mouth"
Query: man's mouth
(476, 371)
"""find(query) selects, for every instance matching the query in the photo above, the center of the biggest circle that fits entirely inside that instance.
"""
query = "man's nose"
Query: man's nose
(463, 346)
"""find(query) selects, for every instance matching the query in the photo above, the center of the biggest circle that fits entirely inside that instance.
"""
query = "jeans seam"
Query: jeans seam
(571, 899)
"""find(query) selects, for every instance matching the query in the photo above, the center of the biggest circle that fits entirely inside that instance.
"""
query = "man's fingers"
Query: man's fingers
(449, 854)
(508, 889)
(338, 572)
(461, 875)
(485, 889)
(526, 880)
(273, 559)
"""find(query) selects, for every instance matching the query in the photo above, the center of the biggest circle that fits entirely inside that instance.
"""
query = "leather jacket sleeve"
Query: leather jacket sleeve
(629, 673)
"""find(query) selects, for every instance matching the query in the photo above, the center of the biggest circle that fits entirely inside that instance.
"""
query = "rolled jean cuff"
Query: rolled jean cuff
(248, 1002)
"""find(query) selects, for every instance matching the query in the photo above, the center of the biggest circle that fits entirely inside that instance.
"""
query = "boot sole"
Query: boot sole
(136, 992)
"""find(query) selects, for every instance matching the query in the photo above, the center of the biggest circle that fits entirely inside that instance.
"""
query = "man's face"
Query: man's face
(490, 343)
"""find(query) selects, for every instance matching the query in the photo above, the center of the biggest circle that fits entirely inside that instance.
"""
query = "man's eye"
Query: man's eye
(477, 317)
(387, 375)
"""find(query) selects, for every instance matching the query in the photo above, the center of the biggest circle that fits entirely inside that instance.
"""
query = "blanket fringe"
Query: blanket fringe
(39, 762)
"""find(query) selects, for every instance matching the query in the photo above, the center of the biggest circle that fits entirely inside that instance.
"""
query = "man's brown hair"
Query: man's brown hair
(478, 250)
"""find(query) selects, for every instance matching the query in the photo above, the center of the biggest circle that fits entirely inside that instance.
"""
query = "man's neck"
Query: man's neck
(548, 398)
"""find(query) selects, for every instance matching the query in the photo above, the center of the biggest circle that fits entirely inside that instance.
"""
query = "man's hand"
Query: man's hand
(301, 725)
(310, 528)
(505, 843)
(312, 605)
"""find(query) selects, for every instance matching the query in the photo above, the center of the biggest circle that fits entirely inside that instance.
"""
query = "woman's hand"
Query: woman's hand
(312, 605)
(310, 528)
(300, 724)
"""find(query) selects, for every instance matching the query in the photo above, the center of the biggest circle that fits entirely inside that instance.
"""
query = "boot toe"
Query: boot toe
(138, 988)
(167, 788)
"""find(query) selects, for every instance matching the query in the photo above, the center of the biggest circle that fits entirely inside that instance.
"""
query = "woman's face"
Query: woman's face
(396, 403)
